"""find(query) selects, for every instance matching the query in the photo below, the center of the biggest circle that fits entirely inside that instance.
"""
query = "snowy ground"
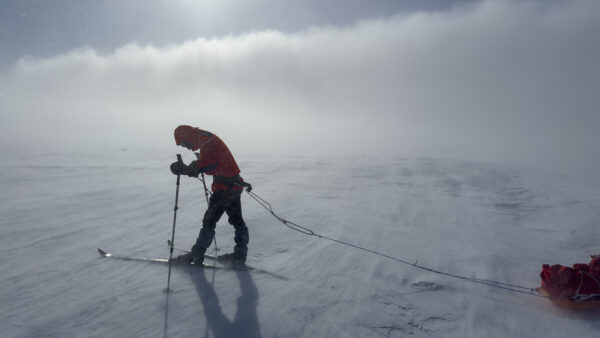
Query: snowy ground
(478, 220)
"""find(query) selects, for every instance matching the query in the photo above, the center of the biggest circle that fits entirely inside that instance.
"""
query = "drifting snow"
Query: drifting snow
(480, 220)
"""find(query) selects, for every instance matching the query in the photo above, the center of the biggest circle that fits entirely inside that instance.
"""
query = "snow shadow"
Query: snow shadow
(245, 321)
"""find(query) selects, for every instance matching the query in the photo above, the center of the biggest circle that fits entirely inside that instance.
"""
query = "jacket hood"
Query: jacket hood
(195, 136)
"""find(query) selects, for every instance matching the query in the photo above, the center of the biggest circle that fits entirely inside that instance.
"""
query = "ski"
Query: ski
(231, 266)
(156, 260)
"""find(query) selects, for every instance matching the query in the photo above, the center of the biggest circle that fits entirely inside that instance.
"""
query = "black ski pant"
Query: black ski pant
(223, 201)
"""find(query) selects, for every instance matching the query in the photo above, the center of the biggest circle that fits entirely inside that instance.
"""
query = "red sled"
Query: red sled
(574, 288)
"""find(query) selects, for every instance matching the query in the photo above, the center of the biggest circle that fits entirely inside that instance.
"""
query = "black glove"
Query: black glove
(248, 186)
(192, 169)
(179, 168)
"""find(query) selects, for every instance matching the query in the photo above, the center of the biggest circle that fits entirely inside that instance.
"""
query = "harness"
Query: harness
(229, 182)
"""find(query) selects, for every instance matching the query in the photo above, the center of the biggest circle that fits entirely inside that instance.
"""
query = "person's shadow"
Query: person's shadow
(245, 321)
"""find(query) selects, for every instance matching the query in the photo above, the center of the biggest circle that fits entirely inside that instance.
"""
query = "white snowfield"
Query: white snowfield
(486, 221)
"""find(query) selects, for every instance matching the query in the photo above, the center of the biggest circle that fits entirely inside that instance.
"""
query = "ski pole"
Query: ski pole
(208, 205)
(205, 189)
(174, 220)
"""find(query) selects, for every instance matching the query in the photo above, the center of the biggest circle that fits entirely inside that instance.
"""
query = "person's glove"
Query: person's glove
(179, 168)
(192, 169)
(248, 186)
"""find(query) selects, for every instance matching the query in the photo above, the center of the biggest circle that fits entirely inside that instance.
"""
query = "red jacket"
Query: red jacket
(214, 157)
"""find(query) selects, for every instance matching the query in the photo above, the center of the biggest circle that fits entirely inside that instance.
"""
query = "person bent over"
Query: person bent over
(216, 160)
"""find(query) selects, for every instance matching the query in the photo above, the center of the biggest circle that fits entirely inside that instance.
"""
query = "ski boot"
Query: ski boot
(188, 258)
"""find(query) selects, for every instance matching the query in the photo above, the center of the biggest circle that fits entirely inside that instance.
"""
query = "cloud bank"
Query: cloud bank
(493, 81)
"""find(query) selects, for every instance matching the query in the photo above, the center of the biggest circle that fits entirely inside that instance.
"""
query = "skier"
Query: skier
(214, 159)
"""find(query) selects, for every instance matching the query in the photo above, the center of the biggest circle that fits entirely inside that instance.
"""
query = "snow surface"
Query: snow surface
(480, 220)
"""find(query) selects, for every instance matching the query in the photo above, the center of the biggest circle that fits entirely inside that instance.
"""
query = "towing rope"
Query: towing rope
(306, 231)
(309, 232)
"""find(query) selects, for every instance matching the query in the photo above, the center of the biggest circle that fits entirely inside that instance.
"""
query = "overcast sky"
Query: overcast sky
(494, 80)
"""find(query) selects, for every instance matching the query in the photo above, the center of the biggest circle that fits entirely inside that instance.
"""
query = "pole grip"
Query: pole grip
(178, 175)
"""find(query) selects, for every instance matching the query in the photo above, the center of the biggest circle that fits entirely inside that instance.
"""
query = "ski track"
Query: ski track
(479, 220)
